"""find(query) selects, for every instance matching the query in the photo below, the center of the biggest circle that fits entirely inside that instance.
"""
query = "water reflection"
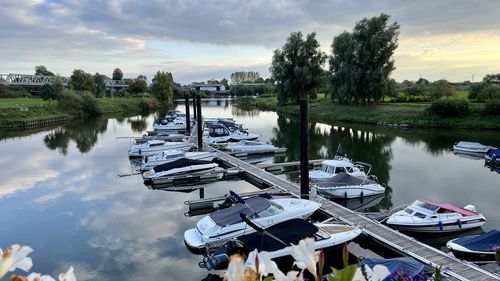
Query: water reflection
(83, 132)
(61, 195)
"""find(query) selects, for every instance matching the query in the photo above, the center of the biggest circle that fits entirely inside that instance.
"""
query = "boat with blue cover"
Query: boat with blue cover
(476, 247)
(493, 156)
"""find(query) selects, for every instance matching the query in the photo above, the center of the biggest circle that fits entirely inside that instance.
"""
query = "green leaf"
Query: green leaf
(268, 278)
(343, 275)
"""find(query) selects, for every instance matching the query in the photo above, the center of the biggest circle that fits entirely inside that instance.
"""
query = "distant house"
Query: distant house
(215, 88)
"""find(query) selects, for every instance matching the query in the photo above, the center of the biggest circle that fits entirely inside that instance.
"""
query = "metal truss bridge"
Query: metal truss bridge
(27, 80)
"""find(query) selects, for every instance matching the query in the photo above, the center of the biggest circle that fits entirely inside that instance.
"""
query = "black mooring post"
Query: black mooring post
(188, 118)
(194, 106)
(304, 150)
(202, 193)
(199, 124)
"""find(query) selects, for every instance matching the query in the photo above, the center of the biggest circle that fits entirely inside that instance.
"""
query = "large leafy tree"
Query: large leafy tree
(244, 77)
(296, 67)
(99, 85)
(360, 63)
(162, 87)
(81, 80)
(58, 85)
(42, 70)
(47, 92)
(117, 74)
(137, 86)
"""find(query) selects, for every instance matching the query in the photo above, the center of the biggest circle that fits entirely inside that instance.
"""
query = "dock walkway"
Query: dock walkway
(454, 268)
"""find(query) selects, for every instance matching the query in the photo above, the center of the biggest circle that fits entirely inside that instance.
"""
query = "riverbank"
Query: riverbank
(388, 114)
(16, 111)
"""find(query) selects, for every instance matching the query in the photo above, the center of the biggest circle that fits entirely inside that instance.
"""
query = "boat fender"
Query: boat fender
(345, 195)
(459, 223)
(140, 151)
(146, 159)
(440, 225)
(361, 194)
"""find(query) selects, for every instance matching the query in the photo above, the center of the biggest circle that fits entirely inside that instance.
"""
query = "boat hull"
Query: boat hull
(349, 192)
(436, 228)
(463, 253)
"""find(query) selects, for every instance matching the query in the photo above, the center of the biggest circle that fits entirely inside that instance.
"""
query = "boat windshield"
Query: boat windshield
(272, 210)
(427, 206)
(324, 168)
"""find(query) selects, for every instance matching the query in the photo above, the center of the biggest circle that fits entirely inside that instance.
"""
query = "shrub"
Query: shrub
(90, 105)
(450, 108)
(149, 104)
(492, 107)
(13, 92)
(71, 102)
(74, 104)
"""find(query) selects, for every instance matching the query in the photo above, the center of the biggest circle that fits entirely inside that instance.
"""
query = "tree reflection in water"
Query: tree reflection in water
(83, 132)
(360, 145)
(138, 124)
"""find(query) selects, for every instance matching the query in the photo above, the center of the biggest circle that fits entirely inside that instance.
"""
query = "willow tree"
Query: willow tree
(361, 61)
(296, 68)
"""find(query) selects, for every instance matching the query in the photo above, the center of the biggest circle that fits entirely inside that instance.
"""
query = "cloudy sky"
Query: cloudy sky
(200, 40)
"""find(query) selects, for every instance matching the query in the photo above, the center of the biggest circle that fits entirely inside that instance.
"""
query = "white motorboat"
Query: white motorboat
(278, 238)
(470, 147)
(339, 164)
(227, 223)
(432, 217)
(188, 167)
(220, 134)
(493, 156)
(170, 124)
(346, 186)
(172, 155)
(156, 146)
(249, 146)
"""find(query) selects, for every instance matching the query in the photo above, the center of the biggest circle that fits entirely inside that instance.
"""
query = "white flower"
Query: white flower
(68, 276)
(235, 268)
(290, 276)
(379, 272)
(14, 257)
(263, 262)
(38, 277)
(305, 256)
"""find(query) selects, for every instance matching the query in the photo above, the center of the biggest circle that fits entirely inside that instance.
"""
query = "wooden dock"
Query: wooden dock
(454, 268)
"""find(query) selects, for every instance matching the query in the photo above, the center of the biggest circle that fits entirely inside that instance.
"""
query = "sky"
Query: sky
(199, 40)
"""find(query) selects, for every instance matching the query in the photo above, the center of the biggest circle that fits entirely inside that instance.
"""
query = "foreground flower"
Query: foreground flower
(14, 257)
(68, 276)
(290, 276)
(305, 256)
(235, 269)
(262, 264)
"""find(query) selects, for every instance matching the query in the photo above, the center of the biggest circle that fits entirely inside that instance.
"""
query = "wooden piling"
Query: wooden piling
(199, 124)
(188, 118)
(304, 150)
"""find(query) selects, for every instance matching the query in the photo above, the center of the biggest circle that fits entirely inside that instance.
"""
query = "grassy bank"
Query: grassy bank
(413, 114)
(15, 110)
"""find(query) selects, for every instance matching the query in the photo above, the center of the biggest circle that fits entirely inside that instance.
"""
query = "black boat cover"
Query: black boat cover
(231, 215)
(291, 231)
(403, 264)
(343, 179)
(484, 242)
(183, 162)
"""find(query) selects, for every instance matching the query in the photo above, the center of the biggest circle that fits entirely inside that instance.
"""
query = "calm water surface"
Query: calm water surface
(60, 190)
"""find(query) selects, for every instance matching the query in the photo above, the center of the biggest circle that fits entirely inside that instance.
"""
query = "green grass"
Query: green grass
(414, 114)
(12, 109)
(18, 102)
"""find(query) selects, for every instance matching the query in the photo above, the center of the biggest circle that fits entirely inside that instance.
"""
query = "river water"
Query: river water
(61, 193)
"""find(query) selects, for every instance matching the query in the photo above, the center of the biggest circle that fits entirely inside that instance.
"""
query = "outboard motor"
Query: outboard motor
(470, 208)
(228, 202)
(220, 258)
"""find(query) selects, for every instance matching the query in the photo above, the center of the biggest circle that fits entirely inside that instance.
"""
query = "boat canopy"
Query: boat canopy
(344, 179)
(183, 162)
(402, 264)
(291, 231)
(483, 242)
(450, 207)
(231, 215)
(494, 151)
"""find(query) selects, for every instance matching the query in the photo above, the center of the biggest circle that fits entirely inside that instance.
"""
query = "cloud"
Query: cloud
(101, 35)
